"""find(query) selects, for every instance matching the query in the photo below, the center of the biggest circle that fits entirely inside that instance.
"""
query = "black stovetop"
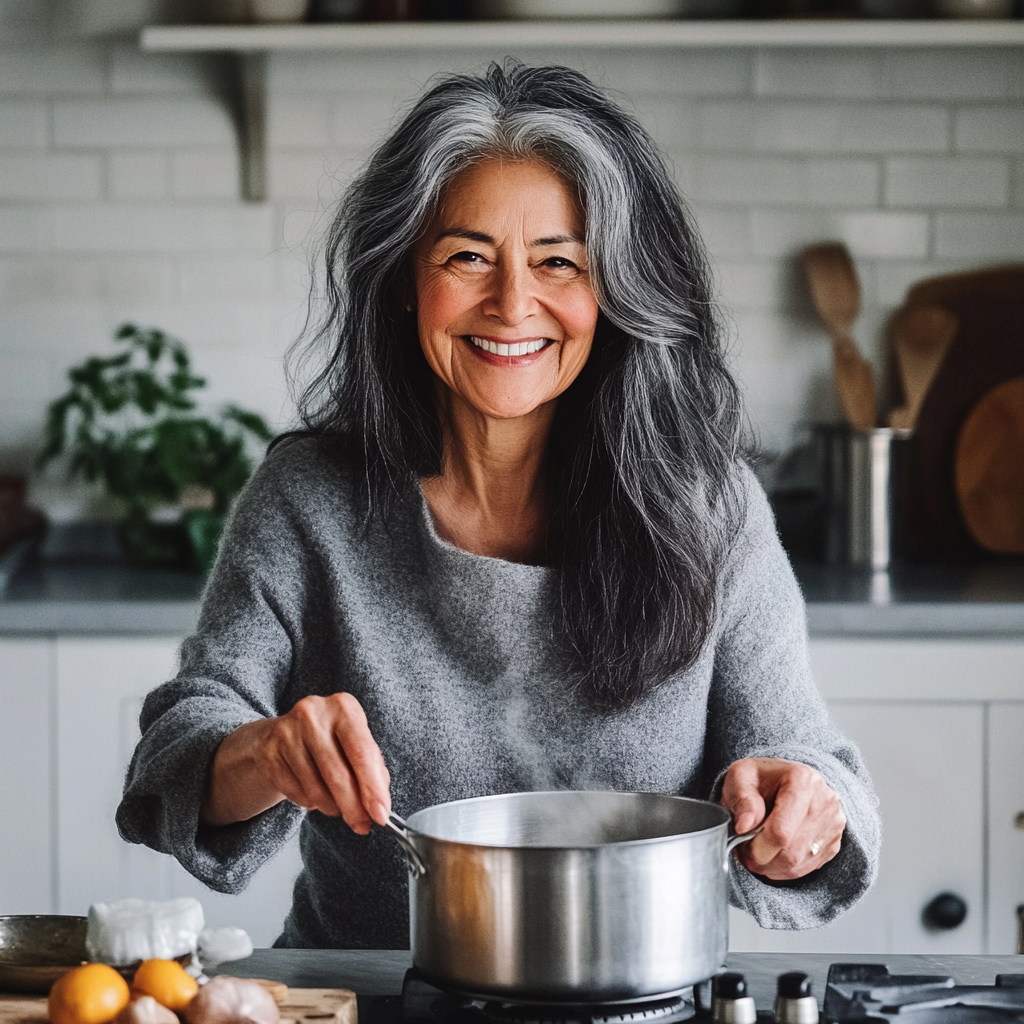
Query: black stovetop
(858, 992)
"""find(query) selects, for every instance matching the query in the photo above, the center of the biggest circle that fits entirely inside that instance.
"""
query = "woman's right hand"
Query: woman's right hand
(320, 755)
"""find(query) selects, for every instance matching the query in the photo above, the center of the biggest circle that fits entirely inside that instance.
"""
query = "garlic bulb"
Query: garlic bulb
(226, 1000)
(127, 931)
(219, 945)
(146, 1010)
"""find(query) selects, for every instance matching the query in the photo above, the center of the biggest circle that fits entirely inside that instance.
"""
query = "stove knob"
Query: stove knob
(730, 1003)
(944, 913)
(794, 1001)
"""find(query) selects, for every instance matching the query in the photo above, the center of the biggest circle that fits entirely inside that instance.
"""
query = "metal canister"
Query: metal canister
(867, 489)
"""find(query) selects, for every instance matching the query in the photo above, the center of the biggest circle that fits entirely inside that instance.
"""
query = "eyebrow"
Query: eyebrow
(479, 236)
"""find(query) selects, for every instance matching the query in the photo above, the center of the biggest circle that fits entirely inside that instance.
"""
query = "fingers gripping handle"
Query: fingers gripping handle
(744, 837)
(398, 828)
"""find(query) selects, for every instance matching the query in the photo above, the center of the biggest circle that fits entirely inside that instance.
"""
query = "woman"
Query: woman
(516, 548)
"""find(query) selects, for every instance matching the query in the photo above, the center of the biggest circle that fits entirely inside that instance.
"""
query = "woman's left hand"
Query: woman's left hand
(802, 816)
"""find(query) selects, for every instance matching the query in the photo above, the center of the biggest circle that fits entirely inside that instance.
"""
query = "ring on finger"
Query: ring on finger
(815, 848)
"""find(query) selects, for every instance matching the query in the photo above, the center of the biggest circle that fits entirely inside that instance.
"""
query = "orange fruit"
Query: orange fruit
(167, 982)
(91, 994)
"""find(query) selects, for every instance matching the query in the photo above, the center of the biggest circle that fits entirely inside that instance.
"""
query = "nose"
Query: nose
(511, 299)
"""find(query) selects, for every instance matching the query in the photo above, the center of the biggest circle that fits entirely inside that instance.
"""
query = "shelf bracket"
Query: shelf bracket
(245, 88)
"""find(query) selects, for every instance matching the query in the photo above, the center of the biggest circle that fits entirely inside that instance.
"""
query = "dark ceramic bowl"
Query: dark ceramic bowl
(36, 949)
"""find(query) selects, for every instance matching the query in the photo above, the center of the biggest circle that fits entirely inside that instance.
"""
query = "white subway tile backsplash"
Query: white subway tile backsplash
(25, 377)
(754, 284)
(170, 229)
(894, 278)
(1017, 184)
(884, 235)
(843, 183)
(138, 279)
(980, 236)
(880, 235)
(760, 126)
(138, 174)
(23, 124)
(726, 232)
(240, 278)
(53, 70)
(302, 120)
(35, 279)
(990, 129)
(25, 228)
(671, 121)
(713, 72)
(767, 181)
(777, 234)
(42, 177)
(957, 73)
(135, 122)
(137, 71)
(205, 174)
(326, 72)
(893, 128)
(947, 181)
(314, 175)
(821, 73)
(763, 126)
(358, 121)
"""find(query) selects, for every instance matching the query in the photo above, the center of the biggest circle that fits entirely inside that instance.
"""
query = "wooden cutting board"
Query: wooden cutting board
(990, 469)
(988, 349)
(312, 1005)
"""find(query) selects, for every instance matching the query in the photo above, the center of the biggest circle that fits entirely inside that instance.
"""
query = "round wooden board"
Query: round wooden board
(989, 469)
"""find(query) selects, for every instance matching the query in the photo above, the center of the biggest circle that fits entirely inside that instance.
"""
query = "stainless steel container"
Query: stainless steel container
(569, 896)
(867, 494)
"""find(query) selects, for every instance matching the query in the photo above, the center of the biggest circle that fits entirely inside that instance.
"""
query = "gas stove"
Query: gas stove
(855, 992)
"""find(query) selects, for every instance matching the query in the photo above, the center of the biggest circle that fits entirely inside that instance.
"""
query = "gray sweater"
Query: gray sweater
(450, 654)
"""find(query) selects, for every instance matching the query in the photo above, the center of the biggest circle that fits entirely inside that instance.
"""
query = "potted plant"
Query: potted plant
(129, 421)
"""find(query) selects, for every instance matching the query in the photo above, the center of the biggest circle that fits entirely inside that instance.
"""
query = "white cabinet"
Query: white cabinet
(27, 866)
(100, 688)
(69, 713)
(1006, 823)
(941, 726)
(926, 761)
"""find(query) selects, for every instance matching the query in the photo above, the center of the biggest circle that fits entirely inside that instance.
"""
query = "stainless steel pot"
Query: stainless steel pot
(569, 896)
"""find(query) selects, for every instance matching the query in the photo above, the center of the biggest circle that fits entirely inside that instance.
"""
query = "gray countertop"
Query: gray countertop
(51, 597)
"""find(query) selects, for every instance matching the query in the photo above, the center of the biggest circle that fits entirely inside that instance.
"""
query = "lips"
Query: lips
(516, 348)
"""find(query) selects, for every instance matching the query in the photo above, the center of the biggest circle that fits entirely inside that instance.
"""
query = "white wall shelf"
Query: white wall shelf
(246, 47)
(551, 34)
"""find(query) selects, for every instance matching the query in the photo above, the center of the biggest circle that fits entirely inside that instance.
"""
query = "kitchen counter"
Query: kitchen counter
(49, 598)
(379, 972)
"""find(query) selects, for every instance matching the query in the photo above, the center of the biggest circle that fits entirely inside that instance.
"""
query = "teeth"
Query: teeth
(520, 348)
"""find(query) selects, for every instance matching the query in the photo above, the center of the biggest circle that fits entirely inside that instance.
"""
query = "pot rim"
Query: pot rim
(413, 831)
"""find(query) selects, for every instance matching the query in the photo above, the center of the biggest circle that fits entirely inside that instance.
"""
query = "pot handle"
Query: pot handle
(398, 828)
(745, 837)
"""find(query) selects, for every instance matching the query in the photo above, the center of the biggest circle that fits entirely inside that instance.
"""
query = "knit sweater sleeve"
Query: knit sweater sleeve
(763, 703)
(235, 669)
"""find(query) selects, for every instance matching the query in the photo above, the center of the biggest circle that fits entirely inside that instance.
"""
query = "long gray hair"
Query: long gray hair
(642, 457)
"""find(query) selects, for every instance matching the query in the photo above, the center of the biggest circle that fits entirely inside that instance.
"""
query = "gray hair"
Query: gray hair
(642, 458)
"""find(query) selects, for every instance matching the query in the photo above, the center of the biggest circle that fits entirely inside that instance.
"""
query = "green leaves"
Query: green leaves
(128, 421)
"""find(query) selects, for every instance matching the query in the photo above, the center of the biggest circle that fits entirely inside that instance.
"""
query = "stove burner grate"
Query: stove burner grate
(662, 1011)
(423, 1003)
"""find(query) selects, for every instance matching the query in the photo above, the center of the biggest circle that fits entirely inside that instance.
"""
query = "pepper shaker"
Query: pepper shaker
(794, 1002)
(730, 1002)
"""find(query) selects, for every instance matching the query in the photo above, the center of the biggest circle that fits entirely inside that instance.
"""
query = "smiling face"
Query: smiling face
(504, 304)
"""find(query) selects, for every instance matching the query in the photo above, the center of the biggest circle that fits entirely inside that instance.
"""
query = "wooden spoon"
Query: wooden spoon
(922, 336)
(835, 290)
